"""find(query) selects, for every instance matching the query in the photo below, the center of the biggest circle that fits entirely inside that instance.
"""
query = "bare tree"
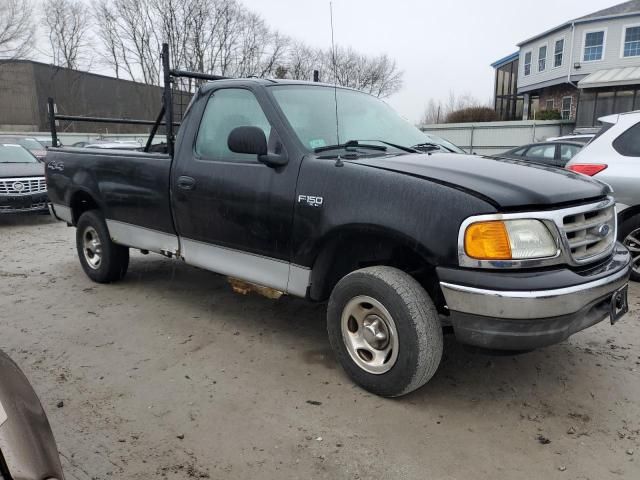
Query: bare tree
(223, 37)
(302, 60)
(437, 111)
(67, 23)
(107, 32)
(16, 29)
(378, 75)
(433, 113)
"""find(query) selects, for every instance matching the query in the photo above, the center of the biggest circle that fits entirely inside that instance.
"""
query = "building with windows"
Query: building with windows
(507, 103)
(585, 68)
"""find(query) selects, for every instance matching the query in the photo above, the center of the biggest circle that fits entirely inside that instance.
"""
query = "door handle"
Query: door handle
(186, 183)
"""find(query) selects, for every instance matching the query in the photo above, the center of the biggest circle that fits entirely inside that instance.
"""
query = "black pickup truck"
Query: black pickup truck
(326, 194)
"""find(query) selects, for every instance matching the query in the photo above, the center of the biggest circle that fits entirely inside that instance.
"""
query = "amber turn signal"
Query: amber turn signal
(487, 241)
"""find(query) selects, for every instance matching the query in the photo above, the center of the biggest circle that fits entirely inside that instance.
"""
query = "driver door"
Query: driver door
(234, 214)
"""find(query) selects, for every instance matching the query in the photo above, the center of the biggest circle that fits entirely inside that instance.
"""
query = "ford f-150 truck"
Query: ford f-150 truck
(325, 193)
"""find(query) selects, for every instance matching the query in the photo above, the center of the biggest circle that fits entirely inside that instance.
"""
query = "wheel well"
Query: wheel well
(80, 203)
(349, 252)
(628, 213)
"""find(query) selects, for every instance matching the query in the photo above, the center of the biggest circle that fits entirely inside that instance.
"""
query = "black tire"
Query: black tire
(113, 259)
(627, 227)
(415, 318)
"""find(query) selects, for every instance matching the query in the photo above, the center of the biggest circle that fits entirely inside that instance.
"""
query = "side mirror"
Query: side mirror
(252, 141)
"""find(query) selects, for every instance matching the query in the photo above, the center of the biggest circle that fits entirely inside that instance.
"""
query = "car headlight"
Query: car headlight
(509, 240)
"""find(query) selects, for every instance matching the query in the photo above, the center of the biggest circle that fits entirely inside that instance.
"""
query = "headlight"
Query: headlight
(509, 240)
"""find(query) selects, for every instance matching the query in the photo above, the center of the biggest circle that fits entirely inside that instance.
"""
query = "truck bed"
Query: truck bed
(131, 187)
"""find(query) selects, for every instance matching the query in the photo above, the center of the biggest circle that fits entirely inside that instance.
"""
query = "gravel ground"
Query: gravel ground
(169, 374)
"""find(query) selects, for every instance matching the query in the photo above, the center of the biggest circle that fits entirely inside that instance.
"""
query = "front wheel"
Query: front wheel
(102, 260)
(385, 330)
(629, 235)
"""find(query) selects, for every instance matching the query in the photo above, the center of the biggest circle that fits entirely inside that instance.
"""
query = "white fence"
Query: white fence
(68, 139)
(496, 137)
(482, 138)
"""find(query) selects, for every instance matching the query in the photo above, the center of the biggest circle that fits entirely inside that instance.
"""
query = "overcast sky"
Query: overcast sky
(440, 45)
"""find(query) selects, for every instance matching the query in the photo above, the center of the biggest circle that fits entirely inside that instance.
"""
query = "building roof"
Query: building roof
(611, 77)
(504, 60)
(81, 72)
(621, 9)
(625, 9)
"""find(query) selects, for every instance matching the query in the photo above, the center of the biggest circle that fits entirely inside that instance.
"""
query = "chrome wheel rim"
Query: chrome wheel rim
(632, 242)
(370, 335)
(92, 248)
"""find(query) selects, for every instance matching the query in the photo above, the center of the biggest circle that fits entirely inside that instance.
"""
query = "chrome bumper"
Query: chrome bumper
(521, 305)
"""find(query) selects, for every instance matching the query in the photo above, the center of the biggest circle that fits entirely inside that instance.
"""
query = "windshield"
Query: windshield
(28, 143)
(311, 111)
(14, 153)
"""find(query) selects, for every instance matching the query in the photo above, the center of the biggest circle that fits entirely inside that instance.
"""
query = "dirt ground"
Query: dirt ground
(171, 374)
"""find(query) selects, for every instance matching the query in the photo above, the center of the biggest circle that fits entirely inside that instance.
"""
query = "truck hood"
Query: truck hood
(11, 170)
(506, 183)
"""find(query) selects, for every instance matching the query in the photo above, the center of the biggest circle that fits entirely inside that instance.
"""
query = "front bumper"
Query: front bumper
(30, 203)
(526, 310)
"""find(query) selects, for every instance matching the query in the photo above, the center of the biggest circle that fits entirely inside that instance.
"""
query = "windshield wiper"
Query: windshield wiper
(350, 144)
(399, 147)
(425, 146)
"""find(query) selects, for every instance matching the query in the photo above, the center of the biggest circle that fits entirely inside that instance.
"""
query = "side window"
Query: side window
(542, 152)
(520, 151)
(628, 144)
(227, 109)
(568, 151)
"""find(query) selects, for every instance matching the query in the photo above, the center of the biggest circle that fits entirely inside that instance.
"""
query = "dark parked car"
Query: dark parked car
(31, 144)
(22, 185)
(323, 193)
(556, 154)
(27, 447)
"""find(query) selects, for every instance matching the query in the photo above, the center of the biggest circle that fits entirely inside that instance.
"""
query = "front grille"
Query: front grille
(22, 186)
(590, 234)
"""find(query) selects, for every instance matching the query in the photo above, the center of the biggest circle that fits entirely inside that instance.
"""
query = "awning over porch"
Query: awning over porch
(611, 77)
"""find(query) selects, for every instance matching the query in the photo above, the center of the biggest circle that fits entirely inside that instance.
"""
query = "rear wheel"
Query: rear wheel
(385, 330)
(102, 260)
(629, 235)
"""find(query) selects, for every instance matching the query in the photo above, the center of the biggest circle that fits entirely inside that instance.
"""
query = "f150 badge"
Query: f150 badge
(310, 200)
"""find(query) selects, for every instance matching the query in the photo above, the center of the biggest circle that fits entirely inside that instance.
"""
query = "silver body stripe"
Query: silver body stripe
(299, 280)
(142, 238)
(245, 266)
(63, 213)
(265, 271)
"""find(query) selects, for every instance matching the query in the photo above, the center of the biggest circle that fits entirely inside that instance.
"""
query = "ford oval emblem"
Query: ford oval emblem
(18, 186)
(604, 230)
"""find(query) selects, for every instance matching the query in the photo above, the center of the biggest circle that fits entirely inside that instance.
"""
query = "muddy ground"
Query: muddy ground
(170, 374)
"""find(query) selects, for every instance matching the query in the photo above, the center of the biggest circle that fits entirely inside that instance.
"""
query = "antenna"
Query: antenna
(335, 74)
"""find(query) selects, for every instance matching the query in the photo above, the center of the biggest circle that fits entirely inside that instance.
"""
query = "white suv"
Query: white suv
(613, 157)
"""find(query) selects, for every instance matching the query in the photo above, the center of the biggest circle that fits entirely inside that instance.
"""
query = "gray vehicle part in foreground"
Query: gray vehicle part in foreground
(28, 449)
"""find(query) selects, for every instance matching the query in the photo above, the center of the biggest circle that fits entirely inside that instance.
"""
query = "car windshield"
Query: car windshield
(311, 111)
(14, 153)
(28, 143)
